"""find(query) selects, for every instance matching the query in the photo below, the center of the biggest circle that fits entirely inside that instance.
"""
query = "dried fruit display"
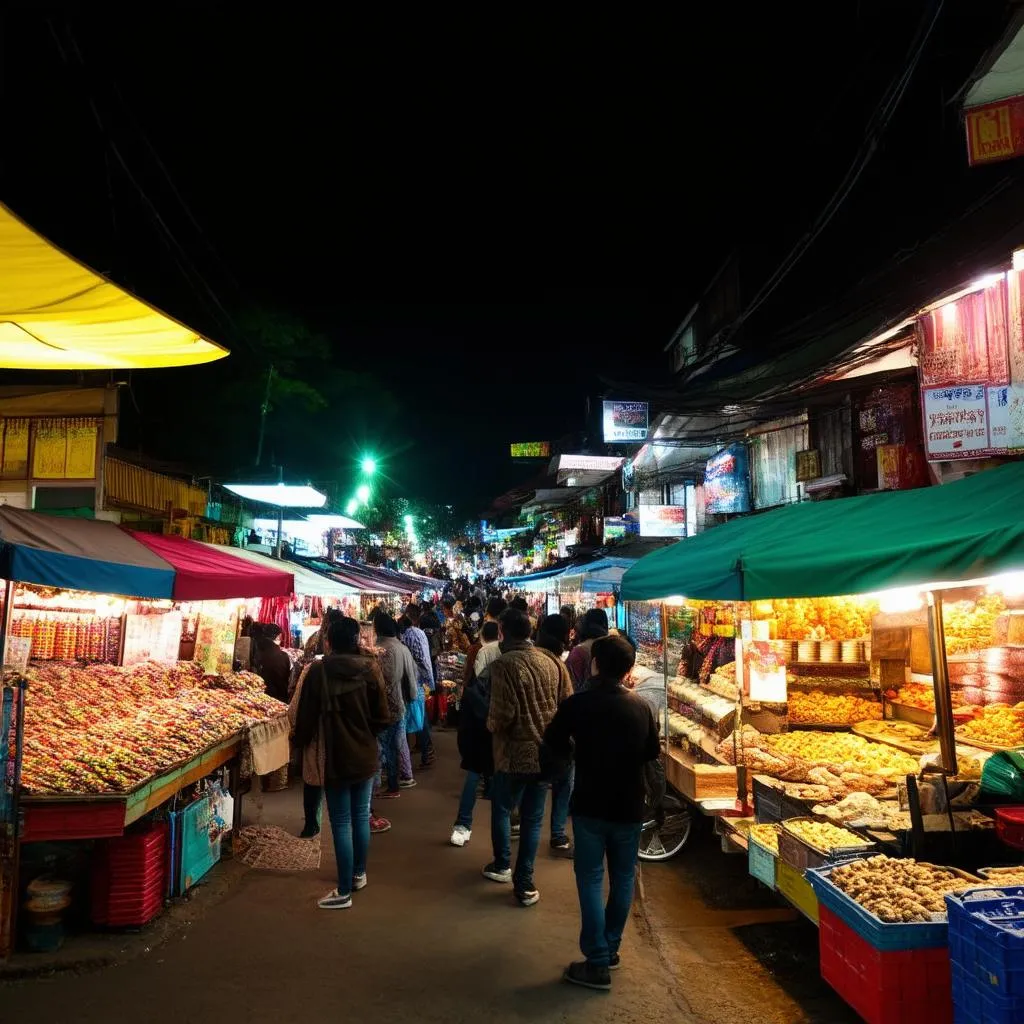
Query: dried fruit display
(817, 706)
(823, 835)
(105, 729)
(997, 725)
(899, 890)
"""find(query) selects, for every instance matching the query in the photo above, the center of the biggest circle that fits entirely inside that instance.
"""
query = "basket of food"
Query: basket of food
(810, 842)
(763, 853)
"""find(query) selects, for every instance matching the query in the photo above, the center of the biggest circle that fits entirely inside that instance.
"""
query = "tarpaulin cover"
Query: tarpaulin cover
(56, 314)
(79, 554)
(307, 582)
(206, 573)
(355, 576)
(960, 531)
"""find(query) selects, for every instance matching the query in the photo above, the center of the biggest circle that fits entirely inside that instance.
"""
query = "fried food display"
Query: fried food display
(817, 706)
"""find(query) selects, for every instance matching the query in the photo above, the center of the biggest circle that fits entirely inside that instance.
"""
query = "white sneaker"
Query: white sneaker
(358, 882)
(335, 901)
(460, 835)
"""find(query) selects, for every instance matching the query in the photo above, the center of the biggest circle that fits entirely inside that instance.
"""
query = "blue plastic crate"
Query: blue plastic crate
(883, 936)
(975, 1003)
(761, 862)
(196, 854)
(986, 936)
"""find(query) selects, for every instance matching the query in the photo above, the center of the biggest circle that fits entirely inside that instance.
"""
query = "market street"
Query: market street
(429, 939)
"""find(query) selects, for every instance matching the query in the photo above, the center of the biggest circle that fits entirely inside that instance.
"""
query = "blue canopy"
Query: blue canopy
(79, 554)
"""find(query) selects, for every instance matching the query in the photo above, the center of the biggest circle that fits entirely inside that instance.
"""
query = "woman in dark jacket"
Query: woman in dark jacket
(474, 743)
(275, 666)
(344, 703)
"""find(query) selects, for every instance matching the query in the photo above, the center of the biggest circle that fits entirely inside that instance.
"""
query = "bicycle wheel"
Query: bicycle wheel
(663, 841)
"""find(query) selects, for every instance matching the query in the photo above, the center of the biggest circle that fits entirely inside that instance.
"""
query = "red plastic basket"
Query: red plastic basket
(1010, 826)
(129, 878)
(911, 986)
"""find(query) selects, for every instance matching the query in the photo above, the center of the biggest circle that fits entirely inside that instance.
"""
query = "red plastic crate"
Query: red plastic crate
(62, 819)
(911, 986)
(1010, 826)
(129, 878)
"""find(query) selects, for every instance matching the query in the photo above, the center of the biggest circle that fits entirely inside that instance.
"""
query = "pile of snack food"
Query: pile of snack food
(899, 890)
(997, 725)
(970, 625)
(903, 733)
(105, 729)
(822, 835)
(767, 836)
(1013, 875)
(817, 706)
(825, 618)
(863, 809)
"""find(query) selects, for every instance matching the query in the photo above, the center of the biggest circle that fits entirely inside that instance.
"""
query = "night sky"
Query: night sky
(486, 219)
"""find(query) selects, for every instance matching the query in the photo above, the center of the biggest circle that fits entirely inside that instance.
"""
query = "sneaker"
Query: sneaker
(378, 825)
(561, 848)
(527, 897)
(496, 874)
(335, 901)
(613, 962)
(588, 976)
(359, 882)
(460, 835)
(406, 783)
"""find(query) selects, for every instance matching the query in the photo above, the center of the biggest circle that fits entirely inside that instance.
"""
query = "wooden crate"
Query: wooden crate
(701, 781)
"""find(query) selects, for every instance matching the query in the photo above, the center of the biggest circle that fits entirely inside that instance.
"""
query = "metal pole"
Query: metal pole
(664, 662)
(940, 683)
(280, 512)
(9, 838)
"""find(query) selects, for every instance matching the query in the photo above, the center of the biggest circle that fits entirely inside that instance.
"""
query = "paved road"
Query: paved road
(428, 940)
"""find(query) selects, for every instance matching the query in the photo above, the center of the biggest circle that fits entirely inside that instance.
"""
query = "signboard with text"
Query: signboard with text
(662, 520)
(955, 422)
(531, 450)
(625, 421)
(995, 131)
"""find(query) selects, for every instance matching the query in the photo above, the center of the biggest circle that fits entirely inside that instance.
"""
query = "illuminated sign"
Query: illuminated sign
(726, 485)
(531, 450)
(625, 421)
(995, 131)
(594, 463)
(662, 520)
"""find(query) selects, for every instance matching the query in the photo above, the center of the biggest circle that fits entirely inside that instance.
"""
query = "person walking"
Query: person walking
(527, 685)
(475, 746)
(419, 647)
(612, 735)
(401, 678)
(591, 627)
(344, 701)
(553, 637)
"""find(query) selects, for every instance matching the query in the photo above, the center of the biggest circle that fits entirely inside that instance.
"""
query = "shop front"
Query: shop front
(848, 744)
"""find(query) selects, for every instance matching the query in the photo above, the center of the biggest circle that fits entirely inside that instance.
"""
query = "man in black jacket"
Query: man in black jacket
(474, 743)
(612, 735)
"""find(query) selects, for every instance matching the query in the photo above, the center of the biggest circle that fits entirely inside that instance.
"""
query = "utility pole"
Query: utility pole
(264, 409)
(280, 508)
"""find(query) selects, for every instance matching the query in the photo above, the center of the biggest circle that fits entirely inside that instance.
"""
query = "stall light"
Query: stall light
(282, 495)
(987, 281)
(949, 314)
(363, 494)
(352, 507)
(1018, 259)
(899, 599)
(675, 601)
(1010, 584)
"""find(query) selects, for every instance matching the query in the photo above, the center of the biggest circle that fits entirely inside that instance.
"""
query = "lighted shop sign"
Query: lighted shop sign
(531, 450)
(625, 421)
(726, 481)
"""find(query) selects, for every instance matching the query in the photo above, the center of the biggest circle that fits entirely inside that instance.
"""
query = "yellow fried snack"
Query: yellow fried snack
(997, 725)
(843, 752)
(831, 709)
(767, 836)
(823, 835)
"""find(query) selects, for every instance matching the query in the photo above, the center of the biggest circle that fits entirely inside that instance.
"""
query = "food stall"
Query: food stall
(98, 736)
(875, 726)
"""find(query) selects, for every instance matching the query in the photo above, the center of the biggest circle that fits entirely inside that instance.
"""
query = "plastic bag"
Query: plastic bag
(1003, 775)
(222, 811)
(415, 715)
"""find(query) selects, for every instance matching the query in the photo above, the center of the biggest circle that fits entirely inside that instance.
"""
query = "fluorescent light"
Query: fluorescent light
(987, 281)
(335, 522)
(1018, 259)
(281, 495)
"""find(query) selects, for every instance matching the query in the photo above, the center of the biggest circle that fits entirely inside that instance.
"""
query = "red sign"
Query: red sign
(995, 131)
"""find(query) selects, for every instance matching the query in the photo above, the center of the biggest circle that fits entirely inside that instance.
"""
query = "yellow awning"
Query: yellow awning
(56, 314)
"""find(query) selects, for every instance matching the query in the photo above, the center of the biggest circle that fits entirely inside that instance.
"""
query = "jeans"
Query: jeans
(468, 800)
(561, 792)
(602, 925)
(349, 810)
(404, 754)
(312, 799)
(529, 794)
(388, 743)
(426, 744)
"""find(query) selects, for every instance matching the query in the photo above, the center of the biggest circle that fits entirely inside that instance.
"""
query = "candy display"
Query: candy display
(817, 706)
(900, 890)
(104, 729)
(68, 635)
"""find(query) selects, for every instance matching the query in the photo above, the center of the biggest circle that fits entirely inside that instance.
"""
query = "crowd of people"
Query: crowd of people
(545, 706)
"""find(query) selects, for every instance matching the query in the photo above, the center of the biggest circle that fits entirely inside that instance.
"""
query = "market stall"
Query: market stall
(375, 589)
(820, 727)
(105, 729)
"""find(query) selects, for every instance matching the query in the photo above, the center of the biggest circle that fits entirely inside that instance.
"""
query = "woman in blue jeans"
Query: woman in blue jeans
(344, 704)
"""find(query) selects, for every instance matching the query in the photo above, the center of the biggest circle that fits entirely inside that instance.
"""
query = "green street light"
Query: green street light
(352, 507)
(368, 465)
(363, 493)
(409, 520)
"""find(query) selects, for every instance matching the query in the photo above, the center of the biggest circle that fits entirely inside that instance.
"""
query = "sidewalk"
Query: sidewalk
(429, 940)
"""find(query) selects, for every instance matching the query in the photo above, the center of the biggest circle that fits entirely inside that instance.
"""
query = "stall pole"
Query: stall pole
(664, 663)
(10, 845)
(940, 683)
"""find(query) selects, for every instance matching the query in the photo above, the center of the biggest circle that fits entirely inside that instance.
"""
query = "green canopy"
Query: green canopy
(960, 531)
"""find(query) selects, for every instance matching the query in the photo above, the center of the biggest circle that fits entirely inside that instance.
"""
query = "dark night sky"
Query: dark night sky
(484, 216)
